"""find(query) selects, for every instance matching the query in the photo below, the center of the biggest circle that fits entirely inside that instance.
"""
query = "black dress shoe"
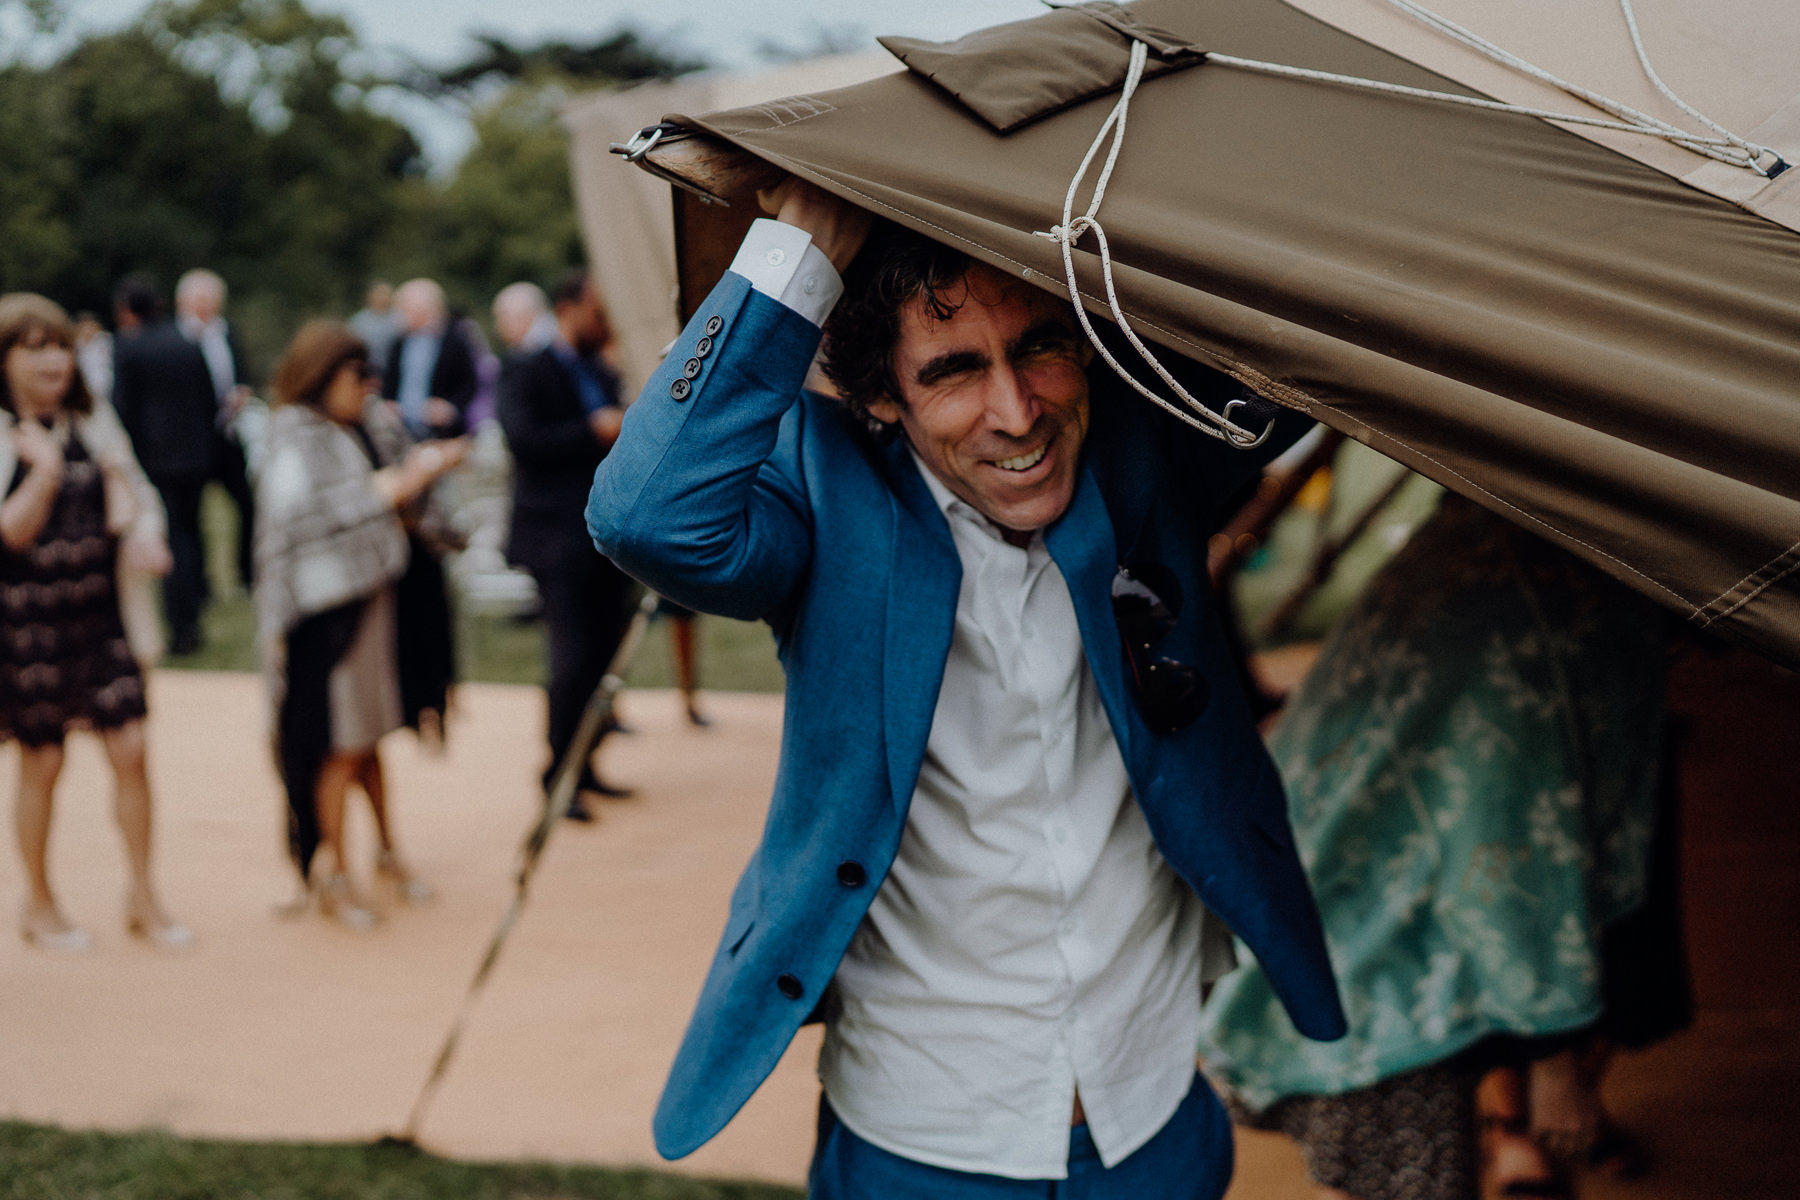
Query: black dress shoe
(609, 790)
(579, 811)
(697, 719)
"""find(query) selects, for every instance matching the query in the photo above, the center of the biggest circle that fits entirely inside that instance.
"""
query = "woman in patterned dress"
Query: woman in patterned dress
(1471, 769)
(77, 515)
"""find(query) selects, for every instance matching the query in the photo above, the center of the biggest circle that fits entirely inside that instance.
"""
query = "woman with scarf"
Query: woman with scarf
(81, 536)
(331, 551)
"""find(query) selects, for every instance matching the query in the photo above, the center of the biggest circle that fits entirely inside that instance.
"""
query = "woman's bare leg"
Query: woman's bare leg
(330, 794)
(39, 768)
(125, 751)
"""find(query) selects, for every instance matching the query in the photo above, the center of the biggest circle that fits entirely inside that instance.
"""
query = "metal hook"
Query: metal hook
(641, 143)
(1237, 439)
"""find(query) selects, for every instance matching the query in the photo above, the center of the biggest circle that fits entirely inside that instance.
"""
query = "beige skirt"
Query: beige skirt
(365, 684)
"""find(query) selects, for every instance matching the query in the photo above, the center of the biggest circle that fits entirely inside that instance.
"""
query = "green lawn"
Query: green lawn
(38, 1163)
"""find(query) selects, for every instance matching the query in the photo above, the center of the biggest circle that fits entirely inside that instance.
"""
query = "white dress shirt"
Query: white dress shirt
(1029, 940)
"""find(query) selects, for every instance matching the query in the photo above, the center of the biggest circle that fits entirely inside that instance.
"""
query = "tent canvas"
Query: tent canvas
(1594, 343)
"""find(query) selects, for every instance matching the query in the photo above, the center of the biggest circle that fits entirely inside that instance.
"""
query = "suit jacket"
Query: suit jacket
(733, 493)
(453, 376)
(554, 455)
(164, 395)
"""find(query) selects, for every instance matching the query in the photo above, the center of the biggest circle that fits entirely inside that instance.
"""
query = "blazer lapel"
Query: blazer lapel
(924, 578)
(1086, 552)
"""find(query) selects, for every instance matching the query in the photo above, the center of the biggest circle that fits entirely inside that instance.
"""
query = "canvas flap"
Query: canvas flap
(1013, 74)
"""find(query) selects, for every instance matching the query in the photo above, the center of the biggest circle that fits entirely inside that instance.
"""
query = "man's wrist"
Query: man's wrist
(781, 262)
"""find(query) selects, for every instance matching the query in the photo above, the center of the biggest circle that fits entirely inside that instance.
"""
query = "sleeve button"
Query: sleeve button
(790, 987)
(775, 257)
(690, 368)
(713, 325)
(851, 874)
(679, 389)
(703, 347)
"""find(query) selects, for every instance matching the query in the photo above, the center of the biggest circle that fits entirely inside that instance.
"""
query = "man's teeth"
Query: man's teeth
(1024, 462)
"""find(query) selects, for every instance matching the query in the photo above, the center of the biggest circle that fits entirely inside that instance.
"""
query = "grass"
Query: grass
(40, 1163)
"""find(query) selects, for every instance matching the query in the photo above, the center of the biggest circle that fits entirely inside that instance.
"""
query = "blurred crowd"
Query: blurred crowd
(392, 462)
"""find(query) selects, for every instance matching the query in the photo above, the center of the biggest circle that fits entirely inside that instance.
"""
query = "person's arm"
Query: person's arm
(24, 514)
(702, 497)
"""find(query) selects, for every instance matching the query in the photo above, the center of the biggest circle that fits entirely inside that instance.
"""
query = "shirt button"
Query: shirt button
(1068, 927)
(678, 390)
(690, 368)
(851, 874)
(713, 325)
(811, 285)
(775, 257)
(790, 987)
(1059, 835)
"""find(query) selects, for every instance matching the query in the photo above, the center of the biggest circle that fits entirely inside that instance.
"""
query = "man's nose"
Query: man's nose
(1012, 402)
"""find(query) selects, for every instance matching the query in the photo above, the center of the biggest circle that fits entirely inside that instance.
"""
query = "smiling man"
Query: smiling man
(1021, 804)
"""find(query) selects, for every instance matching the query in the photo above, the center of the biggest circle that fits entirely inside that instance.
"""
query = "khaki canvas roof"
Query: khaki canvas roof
(1584, 340)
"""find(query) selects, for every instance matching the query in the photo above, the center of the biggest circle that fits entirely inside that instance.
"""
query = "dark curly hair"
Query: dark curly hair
(894, 266)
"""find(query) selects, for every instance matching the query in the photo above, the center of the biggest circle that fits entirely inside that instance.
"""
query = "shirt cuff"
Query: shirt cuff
(781, 262)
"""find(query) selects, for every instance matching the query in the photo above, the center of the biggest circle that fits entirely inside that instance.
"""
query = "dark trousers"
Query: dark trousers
(228, 470)
(1189, 1158)
(184, 588)
(585, 608)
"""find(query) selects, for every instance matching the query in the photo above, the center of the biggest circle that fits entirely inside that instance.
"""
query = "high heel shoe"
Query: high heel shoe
(145, 920)
(409, 887)
(338, 902)
(46, 929)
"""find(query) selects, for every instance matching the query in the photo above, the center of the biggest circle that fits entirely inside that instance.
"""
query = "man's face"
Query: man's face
(995, 399)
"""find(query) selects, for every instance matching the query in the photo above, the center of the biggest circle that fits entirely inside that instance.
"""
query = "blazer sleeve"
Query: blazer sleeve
(702, 497)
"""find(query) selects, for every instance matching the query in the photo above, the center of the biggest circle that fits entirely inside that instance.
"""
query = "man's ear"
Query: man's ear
(885, 410)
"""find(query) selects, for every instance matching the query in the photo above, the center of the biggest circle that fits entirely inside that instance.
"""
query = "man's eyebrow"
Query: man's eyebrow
(1050, 329)
(952, 362)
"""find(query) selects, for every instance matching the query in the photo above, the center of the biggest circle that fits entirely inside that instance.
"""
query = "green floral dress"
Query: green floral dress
(1471, 769)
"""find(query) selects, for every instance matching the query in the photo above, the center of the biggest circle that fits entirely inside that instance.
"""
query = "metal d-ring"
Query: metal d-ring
(1243, 443)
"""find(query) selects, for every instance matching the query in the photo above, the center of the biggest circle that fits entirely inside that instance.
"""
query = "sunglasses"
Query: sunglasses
(1146, 599)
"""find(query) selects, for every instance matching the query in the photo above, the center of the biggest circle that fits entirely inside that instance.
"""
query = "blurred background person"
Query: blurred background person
(559, 407)
(376, 323)
(1472, 767)
(164, 393)
(523, 319)
(331, 549)
(200, 314)
(78, 515)
(94, 355)
(430, 372)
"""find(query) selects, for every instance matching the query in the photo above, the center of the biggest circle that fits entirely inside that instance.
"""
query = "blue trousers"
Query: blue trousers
(1189, 1158)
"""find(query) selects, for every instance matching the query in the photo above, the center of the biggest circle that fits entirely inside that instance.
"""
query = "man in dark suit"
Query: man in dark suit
(430, 372)
(1020, 796)
(560, 412)
(164, 394)
(200, 315)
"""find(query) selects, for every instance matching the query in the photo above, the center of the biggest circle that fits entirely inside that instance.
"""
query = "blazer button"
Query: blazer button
(851, 874)
(713, 325)
(790, 987)
(690, 368)
(703, 347)
(679, 389)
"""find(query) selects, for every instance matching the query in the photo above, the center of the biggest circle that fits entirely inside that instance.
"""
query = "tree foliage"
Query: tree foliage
(247, 136)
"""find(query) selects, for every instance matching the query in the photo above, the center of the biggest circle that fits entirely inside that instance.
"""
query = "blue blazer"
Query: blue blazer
(733, 492)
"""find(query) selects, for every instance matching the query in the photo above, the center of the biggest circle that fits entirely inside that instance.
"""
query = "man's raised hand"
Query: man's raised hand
(838, 228)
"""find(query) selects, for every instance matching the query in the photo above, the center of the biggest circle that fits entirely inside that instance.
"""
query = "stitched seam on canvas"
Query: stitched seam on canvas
(1792, 552)
(790, 111)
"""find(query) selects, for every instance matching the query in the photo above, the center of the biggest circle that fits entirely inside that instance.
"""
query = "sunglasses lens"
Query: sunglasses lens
(1174, 695)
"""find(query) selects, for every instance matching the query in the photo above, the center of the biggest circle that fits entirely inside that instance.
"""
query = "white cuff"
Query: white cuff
(781, 262)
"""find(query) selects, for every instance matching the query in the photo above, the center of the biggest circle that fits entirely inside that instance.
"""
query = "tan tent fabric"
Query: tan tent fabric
(625, 215)
(1737, 62)
(1580, 342)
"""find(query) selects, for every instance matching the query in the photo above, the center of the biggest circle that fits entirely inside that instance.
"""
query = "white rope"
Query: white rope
(1728, 148)
(1069, 232)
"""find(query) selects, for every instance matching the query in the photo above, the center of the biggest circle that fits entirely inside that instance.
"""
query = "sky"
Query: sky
(730, 33)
